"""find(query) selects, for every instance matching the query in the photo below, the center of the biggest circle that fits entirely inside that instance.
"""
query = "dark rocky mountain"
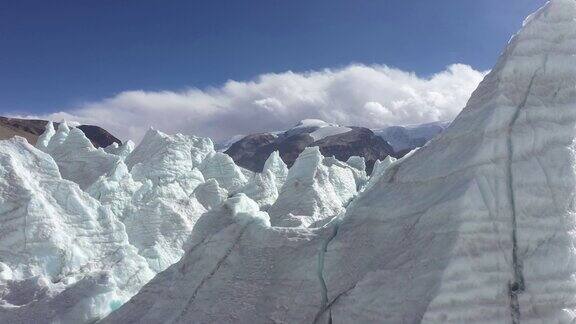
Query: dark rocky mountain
(99, 136)
(359, 141)
(31, 129)
(252, 151)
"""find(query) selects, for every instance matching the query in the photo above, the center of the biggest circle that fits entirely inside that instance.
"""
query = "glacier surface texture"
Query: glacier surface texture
(476, 226)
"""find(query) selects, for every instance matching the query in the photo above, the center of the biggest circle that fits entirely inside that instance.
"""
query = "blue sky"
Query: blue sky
(57, 54)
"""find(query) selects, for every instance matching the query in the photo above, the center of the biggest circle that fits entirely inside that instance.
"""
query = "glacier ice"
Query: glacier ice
(165, 159)
(225, 246)
(313, 190)
(210, 194)
(154, 194)
(54, 139)
(380, 168)
(79, 161)
(477, 226)
(160, 221)
(150, 208)
(115, 189)
(155, 198)
(121, 150)
(221, 167)
(278, 168)
(262, 189)
(356, 167)
(357, 162)
(65, 257)
(44, 139)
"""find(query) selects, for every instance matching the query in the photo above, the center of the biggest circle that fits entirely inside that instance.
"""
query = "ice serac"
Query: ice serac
(44, 139)
(313, 190)
(278, 168)
(112, 148)
(163, 158)
(159, 209)
(226, 275)
(380, 168)
(122, 150)
(125, 149)
(475, 227)
(221, 167)
(356, 168)
(63, 256)
(160, 221)
(58, 138)
(210, 194)
(357, 162)
(158, 217)
(262, 188)
(117, 189)
(307, 191)
(79, 161)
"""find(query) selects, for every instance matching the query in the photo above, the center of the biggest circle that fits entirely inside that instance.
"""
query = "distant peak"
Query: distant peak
(312, 123)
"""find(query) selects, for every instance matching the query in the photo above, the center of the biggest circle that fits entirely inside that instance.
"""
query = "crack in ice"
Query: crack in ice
(517, 286)
(321, 259)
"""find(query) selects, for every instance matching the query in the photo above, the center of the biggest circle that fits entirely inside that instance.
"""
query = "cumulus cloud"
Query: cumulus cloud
(357, 95)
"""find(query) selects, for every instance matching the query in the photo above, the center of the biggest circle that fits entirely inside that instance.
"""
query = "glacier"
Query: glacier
(477, 226)
(64, 257)
(83, 229)
(313, 191)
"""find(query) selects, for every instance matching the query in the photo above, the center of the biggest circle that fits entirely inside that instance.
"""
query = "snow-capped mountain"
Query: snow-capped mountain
(477, 226)
(250, 151)
(333, 140)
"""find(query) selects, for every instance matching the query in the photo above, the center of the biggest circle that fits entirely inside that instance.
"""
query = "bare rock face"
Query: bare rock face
(252, 151)
(99, 136)
(31, 129)
(359, 141)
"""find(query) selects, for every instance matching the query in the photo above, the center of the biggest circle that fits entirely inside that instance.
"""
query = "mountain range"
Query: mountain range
(251, 151)
(32, 128)
(342, 142)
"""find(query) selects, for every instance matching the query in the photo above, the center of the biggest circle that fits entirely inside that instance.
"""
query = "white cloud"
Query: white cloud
(372, 96)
